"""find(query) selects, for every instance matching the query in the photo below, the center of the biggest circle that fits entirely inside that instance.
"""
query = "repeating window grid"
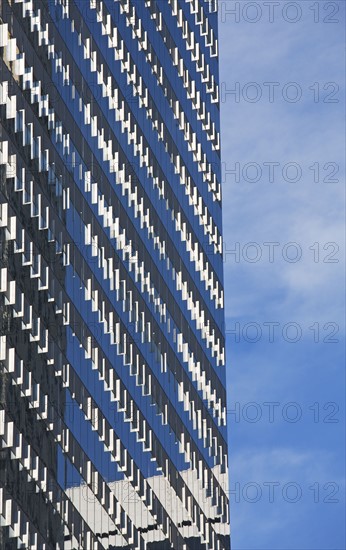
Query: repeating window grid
(28, 257)
(183, 238)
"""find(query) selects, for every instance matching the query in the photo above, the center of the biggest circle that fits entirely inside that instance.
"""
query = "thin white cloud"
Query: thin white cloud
(304, 212)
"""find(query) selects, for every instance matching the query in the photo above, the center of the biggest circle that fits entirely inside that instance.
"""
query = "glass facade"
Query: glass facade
(112, 362)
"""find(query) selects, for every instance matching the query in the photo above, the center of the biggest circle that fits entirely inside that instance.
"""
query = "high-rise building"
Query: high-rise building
(112, 365)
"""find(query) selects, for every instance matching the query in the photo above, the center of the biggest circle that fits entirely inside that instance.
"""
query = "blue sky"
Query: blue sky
(302, 460)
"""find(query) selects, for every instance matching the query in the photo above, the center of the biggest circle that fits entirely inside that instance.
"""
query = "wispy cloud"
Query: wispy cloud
(307, 291)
